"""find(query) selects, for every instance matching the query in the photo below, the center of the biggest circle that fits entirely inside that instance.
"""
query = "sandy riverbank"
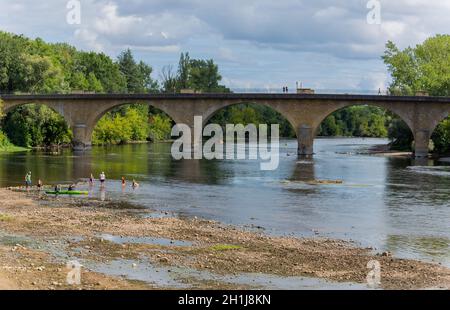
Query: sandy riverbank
(58, 229)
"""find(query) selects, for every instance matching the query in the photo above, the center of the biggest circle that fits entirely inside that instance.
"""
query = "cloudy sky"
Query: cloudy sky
(326, 44)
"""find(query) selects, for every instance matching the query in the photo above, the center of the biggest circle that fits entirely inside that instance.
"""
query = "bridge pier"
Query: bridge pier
(305, 137)
(421, 143)
(82, 139)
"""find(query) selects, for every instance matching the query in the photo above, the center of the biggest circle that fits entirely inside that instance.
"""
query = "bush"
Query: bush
(441, 137)
(400, 135)
(160, 127)
(36, 126)
(4, 141)
(112, 129)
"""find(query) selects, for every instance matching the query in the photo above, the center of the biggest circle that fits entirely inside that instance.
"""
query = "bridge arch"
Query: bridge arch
(310, 131)
(212, 110)
(85, 129)
(56, 109)
(399, 111)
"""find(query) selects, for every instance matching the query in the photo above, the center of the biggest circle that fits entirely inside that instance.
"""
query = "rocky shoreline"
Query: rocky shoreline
(40, 234)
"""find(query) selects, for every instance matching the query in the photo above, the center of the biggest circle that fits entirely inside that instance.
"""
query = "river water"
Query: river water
(392, 204)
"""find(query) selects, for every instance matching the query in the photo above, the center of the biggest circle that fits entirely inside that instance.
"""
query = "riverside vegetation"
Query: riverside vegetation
(34, 66)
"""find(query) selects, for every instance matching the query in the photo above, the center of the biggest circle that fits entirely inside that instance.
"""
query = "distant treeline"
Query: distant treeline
(34, 66)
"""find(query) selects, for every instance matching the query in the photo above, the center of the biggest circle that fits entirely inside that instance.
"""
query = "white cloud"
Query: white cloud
(89, 39)
(286, 39)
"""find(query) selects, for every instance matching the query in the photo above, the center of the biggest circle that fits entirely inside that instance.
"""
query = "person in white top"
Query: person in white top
(102, 179)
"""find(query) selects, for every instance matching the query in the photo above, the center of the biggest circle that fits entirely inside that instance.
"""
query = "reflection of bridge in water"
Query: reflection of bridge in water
(304, 112)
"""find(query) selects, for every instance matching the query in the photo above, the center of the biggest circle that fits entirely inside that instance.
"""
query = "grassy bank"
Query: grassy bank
(10, 148)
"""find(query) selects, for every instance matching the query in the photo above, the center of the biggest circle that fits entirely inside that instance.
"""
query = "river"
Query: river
(389, 203)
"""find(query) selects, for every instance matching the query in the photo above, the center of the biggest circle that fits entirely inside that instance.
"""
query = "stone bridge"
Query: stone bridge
(305, 112)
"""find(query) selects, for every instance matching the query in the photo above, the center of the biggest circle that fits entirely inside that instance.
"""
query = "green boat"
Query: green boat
(67, 193)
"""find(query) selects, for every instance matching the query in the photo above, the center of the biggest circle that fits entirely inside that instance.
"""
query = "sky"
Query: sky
(258, 44)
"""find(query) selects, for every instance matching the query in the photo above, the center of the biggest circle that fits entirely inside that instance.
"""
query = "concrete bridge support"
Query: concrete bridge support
(305, 138)
(421, 143)
(82, 137)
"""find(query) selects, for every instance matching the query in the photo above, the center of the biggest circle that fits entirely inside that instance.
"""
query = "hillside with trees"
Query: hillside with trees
(33, 66)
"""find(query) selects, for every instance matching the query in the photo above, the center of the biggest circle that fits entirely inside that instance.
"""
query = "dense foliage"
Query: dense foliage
(253, 114)
(425, 67)
(357, 121)
(194, 74)
(33, 66)
(36, 125)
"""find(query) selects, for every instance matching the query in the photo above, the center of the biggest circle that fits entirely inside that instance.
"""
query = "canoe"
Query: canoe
(67, 193)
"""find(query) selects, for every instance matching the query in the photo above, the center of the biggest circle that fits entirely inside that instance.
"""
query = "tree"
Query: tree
(168, 79)
(196, 74)
(137, 75)
(184, 71)
(160, 127)
(441, 138)
(105, 70)
(425, 67)
(400, 135)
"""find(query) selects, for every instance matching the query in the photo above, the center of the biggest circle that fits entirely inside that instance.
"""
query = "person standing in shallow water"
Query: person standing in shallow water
(102, 179)
(28, 180)
(91, 180)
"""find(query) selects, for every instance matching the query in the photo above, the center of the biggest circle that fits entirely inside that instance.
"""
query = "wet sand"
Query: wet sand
(39, 234)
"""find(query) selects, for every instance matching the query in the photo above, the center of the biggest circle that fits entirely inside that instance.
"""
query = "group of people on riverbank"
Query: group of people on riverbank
(102, 179)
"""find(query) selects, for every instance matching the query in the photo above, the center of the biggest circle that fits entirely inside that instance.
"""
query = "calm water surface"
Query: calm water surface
(392, 204)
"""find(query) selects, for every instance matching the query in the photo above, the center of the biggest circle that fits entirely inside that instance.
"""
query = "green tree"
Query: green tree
(137, 75)
(441, 137)
(36, 126)
(184, 71)
(425, 67)
(160, 127)
(400, 135)
(105, 70)
(196, 74)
